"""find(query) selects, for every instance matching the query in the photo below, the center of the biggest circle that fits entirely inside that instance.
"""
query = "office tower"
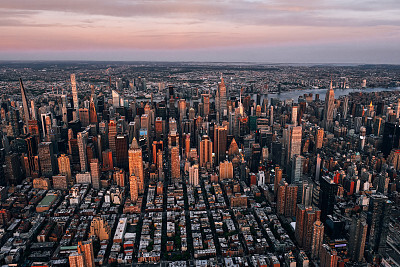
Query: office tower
(319, 138)
(46, 157)
(75, 97)
(13, 171)
(121, 143)
(205, 151)
(206, 104)
(329, 257)
(277, 179)
(318, 168)
(84, 116)
(383, 183)
(64, 166)
(156, 147)
(317, 239)
(194, 175)
(136, 164)
(187, 145)
(182, 109)
(100, 228)
(329, 108)
(294, 115)
(82, 138)
(95, 173)
(297, 169)
(158, 127)
(83, 178)
(76, 260)
(391, 137)
(112, 132)
(223, 110)
(133, 185)
(233, 149)
(108, 163)
(31, 146)
(305, 218)
(115, 98)
(220, 142)
(119, 177)
(145, 122)
(286, 199)
(271, 116)
(394, 158)
(378, 220)
(225, 170)
(92, 113)
(86, 249)
(327, 196)
(345, 106)
(175, 163)
(358, 236)
(24, 102)
(306, 194)
(294, 142)
(255, 157)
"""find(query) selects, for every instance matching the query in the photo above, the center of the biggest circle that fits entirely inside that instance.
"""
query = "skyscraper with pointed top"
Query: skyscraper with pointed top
(136, 164)
(329, 106)
(24, 102)
(223, 110)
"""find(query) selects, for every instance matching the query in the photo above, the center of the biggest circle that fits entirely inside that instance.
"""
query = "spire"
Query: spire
(24, 101)
(222, 80)
(134, 144)
(331, 87)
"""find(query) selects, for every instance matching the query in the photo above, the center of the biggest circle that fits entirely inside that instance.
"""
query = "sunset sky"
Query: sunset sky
(302, 31)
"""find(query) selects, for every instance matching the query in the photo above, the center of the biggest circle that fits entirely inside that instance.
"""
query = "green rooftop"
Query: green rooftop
(47, 200)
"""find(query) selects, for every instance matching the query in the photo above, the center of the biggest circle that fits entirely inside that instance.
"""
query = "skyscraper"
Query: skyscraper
(175, 163)
(112, 132)
(133, 185)
(95, 173)
(317, 239)
(294, 142)
(64, 166)
(121, 144)
(378, 220)
(327, 197)
(75, 97)
(136, 164)
(329, 257)
(194, 175)
(46, 157)
(358, 236)
(24, 102)
(220, 142)
(100, 228)
(82, 144)
(329, 107)
(205, 151)
(86, 249)
(223, 110)
(305, 218)
(319, 138)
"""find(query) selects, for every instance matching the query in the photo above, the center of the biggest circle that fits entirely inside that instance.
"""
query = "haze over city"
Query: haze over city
(249, 31)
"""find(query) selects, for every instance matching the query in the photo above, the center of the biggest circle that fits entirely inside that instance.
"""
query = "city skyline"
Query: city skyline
(250, 31)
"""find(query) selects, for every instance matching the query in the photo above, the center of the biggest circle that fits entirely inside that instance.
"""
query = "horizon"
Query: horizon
(225, 31)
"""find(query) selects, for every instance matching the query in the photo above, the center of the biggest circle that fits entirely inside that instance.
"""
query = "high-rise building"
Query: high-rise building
(46, 157)
(136, 164)
(133, 185)
(225, 170)
(13, 171)
(86, 249)
(286, 199)
(84, 117)
(277, 179)
(329, 108)
(24, 102)
(206, 104)
(294, 115)
(75, 97)
(100, 228)
(64, 166)
(220, 142)
(205, 152)
(112, 132)
(82, 138)
(317, 239)
(328, 256)
(119, 177)
(327, 198)
(305, 218)
(297, 169)
(121, 144)
(378, 221)
(319, 138)
(194, 175)
(95, 173)
(175, 163)
(108, 163)
(358, 236)
(92, 113)
(223, 110)
(293, 142)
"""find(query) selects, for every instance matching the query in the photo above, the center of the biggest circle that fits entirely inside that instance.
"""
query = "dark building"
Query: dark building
(121, 156)
(46, 158)
(327, 196)
(13, 170)
(378, 221)
(391, 137)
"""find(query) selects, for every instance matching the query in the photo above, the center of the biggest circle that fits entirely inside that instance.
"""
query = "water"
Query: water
(338, 92)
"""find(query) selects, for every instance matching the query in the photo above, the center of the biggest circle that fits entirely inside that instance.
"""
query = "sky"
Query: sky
(264, 31)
